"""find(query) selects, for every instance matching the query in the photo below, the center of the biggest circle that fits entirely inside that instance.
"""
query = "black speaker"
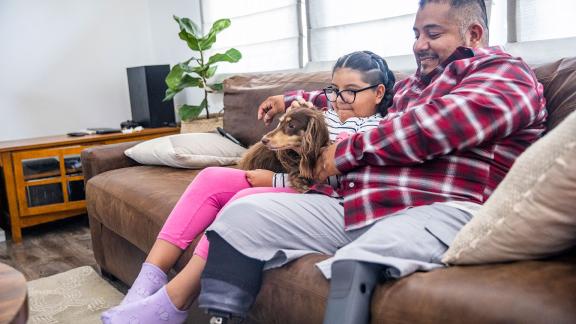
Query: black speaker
(147, 89)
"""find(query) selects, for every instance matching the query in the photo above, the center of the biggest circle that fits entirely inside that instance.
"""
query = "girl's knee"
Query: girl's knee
(211, 179)
(248, 192)
(245, 203)
(258, 190)
(210, 173)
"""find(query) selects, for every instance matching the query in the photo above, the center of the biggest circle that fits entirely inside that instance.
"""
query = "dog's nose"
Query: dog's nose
(265, 140)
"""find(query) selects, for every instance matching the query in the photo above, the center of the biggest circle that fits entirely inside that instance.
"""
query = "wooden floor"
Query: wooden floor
(50, 248)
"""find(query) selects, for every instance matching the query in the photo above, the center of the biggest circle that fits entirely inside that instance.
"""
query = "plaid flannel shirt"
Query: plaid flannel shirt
(451, 135)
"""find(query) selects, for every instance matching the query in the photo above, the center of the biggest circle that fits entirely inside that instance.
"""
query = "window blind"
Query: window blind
(337, 27)
(544, 19)
(497, 21)
(266, 32)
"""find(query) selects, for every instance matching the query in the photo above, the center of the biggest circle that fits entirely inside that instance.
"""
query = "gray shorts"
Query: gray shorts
(280, 227)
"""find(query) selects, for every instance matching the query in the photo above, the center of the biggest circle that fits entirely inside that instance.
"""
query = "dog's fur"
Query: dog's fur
(293, 147)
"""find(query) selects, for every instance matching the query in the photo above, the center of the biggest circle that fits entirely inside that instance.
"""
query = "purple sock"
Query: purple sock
(157, 308)
(149, 280)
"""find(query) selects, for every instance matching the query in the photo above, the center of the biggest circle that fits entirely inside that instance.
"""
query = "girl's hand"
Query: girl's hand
(260, 178)
(271, 106)
(326, 165)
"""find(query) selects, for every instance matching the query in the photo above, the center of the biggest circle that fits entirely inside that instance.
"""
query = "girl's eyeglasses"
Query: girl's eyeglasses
(347, 96)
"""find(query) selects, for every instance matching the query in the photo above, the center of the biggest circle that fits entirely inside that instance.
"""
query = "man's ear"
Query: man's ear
(476, 36)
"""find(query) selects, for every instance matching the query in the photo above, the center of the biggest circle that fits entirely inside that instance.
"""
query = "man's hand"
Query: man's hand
(300, 103)
(270, 107)
(326, 165)
(260, 178)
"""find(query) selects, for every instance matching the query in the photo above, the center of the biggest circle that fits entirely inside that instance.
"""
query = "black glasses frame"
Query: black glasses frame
(339, 93)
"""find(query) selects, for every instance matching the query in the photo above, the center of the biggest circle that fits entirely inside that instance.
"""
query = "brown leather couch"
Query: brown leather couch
(128, 203)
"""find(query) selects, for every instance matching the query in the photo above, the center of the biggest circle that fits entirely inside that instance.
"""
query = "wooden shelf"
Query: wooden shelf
(64, 140)
(42, 175)
(43, 181)
(17, 185)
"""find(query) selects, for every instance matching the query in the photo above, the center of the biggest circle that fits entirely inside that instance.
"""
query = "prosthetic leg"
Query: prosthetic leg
(351, 289)
(230, 281)
(224, 301)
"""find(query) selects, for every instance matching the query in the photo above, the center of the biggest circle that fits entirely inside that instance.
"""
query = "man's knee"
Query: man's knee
(418, 245)
(390, 245)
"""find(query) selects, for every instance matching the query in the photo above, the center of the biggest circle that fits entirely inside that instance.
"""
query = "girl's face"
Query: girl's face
(366, 101)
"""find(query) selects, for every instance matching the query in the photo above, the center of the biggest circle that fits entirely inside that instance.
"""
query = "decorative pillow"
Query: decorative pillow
(532, 213)
(191, 151)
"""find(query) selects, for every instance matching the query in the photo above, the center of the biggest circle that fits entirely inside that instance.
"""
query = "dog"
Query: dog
(293, 147)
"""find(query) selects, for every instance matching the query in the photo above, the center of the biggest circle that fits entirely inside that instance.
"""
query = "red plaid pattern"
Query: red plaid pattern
(316, 97)
(450, 135)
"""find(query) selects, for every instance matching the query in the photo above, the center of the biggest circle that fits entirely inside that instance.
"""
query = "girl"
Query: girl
(360, 93)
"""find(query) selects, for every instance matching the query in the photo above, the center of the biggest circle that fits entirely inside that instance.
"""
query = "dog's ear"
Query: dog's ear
(315, 137)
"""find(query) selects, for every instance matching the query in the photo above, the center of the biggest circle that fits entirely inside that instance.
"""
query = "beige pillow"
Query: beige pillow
(532, 213)
(191, 151)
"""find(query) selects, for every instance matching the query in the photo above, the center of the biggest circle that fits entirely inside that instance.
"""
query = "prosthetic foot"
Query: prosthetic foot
(218, 318)
(351, 289)
(224, 300)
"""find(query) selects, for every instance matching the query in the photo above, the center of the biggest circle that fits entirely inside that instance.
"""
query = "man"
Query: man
(451, 135)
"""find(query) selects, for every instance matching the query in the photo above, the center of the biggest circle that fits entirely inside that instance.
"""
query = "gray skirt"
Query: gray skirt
(280, 227)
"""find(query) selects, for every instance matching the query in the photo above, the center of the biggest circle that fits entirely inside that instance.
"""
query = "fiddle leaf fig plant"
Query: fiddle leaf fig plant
(195, 72)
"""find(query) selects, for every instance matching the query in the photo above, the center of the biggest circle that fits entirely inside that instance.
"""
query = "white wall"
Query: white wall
(170, 49)
(63, 62)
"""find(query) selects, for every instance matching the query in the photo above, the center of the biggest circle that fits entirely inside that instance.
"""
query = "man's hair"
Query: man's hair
(468, 12)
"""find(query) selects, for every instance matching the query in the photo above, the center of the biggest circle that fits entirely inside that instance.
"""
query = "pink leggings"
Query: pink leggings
(211, 189)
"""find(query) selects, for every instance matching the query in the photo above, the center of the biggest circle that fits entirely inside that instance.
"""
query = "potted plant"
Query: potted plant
(196, 71)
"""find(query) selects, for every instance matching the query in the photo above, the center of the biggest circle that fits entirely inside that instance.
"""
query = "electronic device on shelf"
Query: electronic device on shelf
(78, 134)
(129, 124)
(104, 130)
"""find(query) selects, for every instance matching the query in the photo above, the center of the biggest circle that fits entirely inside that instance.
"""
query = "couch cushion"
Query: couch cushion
(559, 81)
(134, 202)
(520, 292)
(298, 284)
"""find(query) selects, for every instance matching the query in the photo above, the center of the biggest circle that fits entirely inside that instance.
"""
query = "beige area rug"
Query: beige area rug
(75, 296)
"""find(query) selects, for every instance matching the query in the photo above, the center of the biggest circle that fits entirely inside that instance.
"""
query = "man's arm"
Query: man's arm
(492, 103)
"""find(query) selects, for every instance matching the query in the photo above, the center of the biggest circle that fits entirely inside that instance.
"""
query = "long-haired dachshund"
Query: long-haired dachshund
(293, 147)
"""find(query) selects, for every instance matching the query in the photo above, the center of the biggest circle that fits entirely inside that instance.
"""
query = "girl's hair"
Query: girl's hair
(374, 70)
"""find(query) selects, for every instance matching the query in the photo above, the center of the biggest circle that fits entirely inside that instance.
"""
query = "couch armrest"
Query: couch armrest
(104, 158)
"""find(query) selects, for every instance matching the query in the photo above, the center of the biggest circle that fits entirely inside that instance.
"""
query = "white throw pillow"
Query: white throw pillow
(532, 213)
(190, 151)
